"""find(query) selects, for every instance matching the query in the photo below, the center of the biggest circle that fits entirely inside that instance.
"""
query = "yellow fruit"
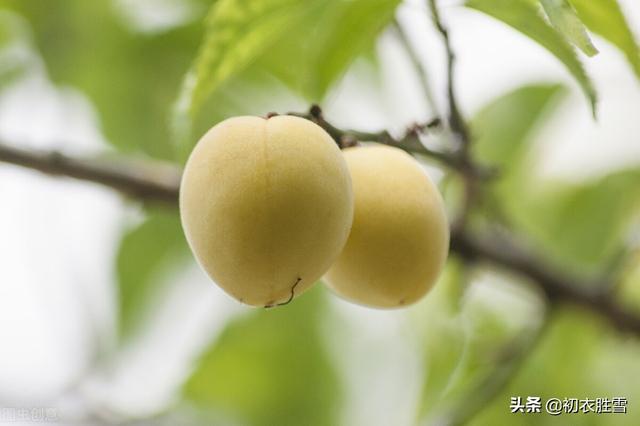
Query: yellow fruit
(266, 206)
(400, 236)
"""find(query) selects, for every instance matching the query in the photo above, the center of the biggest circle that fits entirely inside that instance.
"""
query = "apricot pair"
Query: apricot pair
(269, 206)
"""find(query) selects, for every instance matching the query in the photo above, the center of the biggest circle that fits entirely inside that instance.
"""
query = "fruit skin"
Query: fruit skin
(400, 235)
(266, 205)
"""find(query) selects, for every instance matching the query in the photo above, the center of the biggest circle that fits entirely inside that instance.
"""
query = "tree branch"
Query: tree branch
(457, 124)
(456, 121)
(159, 183)
(557, 287)
(143, 181)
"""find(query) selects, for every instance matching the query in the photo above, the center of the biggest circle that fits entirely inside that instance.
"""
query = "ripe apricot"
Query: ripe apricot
(266, 206)
(400, 236)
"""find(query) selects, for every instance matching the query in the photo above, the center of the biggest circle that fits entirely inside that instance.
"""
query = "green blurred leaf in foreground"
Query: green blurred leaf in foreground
(270, 367)
(578, 225)
(578, 357)
(146, 255)
(524, 17)
(503, 127)
(237, 33)
(582, 225)
(319, 49)
(130, 77)
(444, 335)
(465, 346)
(605, 18)
(306, 44)
(15, 41)
(563, 17)
(505, 130)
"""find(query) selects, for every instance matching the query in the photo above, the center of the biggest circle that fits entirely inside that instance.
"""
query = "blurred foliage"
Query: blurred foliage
(581, 226)
(443, 336)
(468, 336)
(578, 357)
(524, 16)
(14, 33)
(577, 226)
(147, 254)
(310, 59)
(605, 18)
(629, 291)
(131, 77)
(271, 367)
(237, 33)
(563, 17)
(307, 44)
(504, 127)
(504, 130)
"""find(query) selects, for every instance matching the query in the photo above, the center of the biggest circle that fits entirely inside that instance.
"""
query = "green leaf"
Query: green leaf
(443, 335)
(504, 131)
(464, 348)
(307, 44)
(579, 226)
(15, 37)
(578, 357)
(359, 24)
(604, 17)
(319, 50)
(146, 255)
(131, 78)
(525, 18)
(503, 126)
(270, 367)
(444, 343)
(563, 17)
(237, 33)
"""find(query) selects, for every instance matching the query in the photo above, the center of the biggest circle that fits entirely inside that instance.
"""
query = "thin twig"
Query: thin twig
(143, 181)
(456, 121)
(472, 187)
(418, 66)
(409, 142)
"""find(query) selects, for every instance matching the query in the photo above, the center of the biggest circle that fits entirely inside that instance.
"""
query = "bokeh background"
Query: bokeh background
(105, 317)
